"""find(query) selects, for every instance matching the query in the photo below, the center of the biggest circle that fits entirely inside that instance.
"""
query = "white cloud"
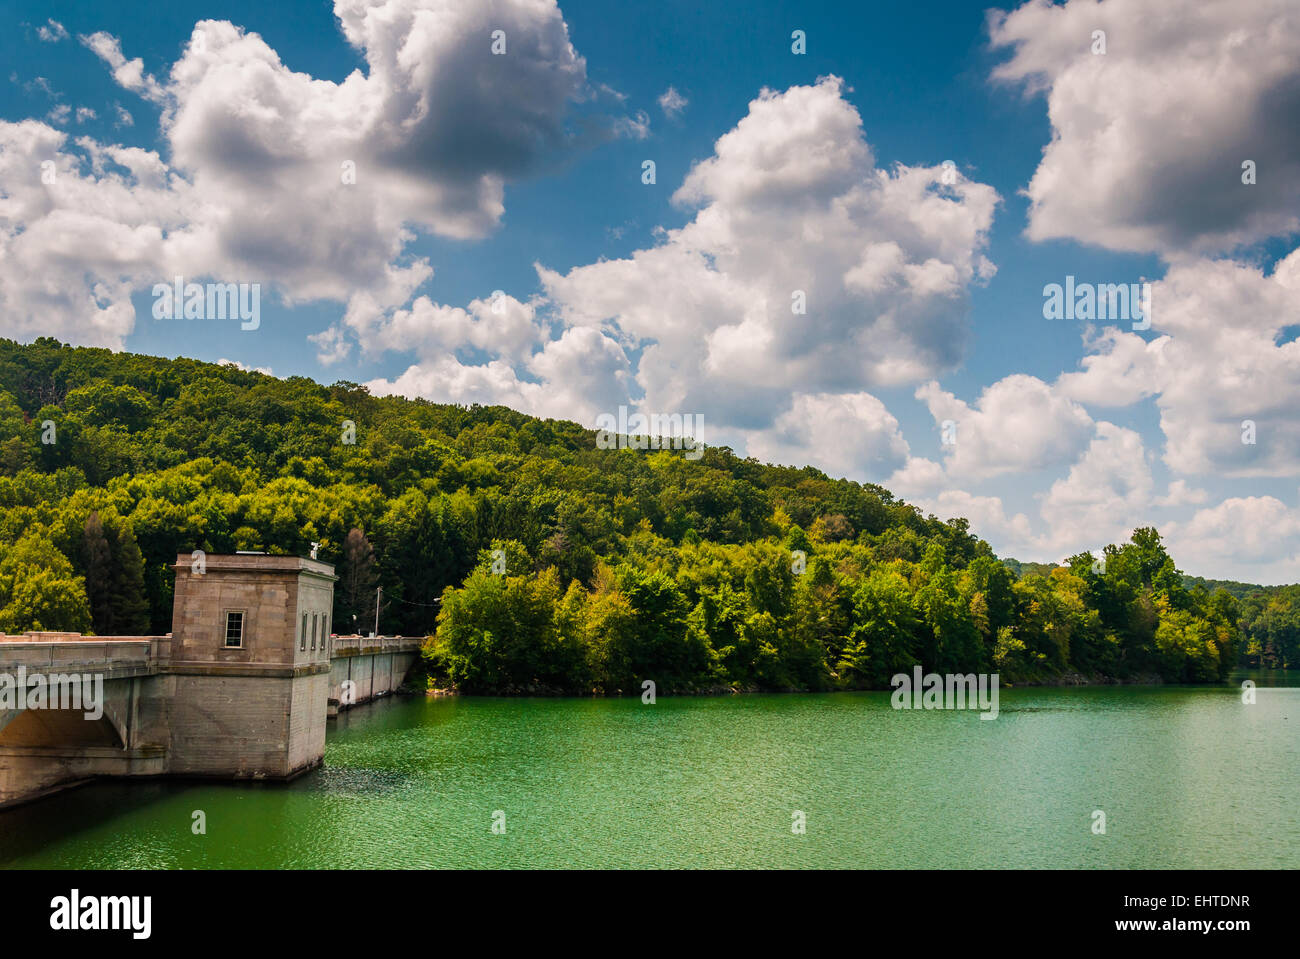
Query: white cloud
(1149, 138)
(1118, 373)
(39, 83)
(791, 207)
(1220, 362)
(127, 73)
(52, 31)
(245, 367)
(260, 158)
(1011, 535)
(919, 478)
(500, 325)
(1018, 423)
(79, 232)
(703, 322)
(1180, 494)
(576, 377)
(1253, 538)
(847, 434)
(1106, 494)
(672, 103)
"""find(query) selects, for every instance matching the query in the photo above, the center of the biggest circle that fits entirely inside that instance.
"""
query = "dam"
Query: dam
(242, 687)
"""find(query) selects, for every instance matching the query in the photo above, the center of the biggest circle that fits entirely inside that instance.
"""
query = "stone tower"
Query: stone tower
(249, 666)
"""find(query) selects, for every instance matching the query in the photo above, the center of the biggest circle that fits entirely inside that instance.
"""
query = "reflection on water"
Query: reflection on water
(1187, 777)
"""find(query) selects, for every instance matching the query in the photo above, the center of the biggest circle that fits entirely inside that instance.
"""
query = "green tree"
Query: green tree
(97, 564)
(39, 589)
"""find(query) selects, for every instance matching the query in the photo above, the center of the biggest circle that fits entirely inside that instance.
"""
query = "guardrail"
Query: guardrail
(113, 653)
(341, 646)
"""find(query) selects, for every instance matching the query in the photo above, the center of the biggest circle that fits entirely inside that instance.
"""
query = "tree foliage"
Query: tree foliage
(535, 560)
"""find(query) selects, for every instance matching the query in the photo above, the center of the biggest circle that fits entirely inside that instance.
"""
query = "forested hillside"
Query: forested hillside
(556, 565)
(1270, 621)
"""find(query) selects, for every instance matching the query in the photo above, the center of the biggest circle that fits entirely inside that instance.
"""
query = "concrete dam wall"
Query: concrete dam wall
(240, 689)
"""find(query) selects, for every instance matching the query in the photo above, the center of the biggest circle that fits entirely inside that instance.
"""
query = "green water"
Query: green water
(1187, 778)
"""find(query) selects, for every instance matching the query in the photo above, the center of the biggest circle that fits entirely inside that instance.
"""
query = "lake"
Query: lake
(1187, 777)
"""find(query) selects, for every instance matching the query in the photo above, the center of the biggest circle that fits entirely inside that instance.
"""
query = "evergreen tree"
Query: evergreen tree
(128, 602)
(355, 592)
(97, 565)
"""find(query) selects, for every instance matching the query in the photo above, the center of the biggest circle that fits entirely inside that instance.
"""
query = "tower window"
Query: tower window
(302, 640)
(313, 630)
(234, 628)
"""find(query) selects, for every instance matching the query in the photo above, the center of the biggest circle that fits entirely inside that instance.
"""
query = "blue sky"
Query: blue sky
(1122, 197)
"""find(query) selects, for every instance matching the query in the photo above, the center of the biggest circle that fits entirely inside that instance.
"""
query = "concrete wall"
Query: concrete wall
(307, 714)
(29, 772)
(376, 667)
(187, 704)
(46, 749)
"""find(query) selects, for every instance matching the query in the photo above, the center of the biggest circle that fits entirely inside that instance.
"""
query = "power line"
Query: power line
(398, 599)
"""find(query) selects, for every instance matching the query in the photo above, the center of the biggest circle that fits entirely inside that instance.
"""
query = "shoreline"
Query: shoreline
(1146, 680)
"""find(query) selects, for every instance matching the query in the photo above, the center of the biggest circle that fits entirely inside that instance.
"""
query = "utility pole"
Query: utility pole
(379, 592)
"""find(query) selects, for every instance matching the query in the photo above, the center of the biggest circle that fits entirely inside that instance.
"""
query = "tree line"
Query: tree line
(532, 559)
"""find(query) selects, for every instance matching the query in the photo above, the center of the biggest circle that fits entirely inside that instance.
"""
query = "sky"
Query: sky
(844, 257)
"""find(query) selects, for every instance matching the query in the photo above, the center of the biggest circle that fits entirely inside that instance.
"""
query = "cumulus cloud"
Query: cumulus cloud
(578, 376)
(310, 187)
(1018, 423)
(1013, 534)
(1181, 494)
(1222, 361)
(1021, 424)
(499, 324)
(323, 182)
(848, 434)
(1149, 138)
(1106, 494)
(1255, 538)
(918, 478)
(791, 211)
(806, 269)
(79, 231)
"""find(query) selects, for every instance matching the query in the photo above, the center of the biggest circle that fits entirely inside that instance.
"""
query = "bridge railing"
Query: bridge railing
(341, 646)
(84, 653)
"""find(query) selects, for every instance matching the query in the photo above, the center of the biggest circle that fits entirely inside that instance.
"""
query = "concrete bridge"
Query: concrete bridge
(240, 689)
